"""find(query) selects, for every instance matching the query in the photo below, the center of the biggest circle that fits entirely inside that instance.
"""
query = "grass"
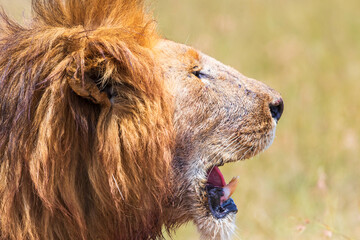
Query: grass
(307, 184)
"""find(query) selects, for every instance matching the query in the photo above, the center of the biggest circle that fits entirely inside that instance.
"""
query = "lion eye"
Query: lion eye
(199, 74)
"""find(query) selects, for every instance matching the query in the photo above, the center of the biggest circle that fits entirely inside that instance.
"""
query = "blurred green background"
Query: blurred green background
(307, 184)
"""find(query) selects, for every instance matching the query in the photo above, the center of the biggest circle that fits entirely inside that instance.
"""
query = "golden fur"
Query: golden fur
(73, 164)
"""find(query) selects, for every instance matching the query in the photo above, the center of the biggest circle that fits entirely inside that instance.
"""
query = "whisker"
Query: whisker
(222, 150)
(241, 148)
(246, 152)
(236, 233)
(231, 139)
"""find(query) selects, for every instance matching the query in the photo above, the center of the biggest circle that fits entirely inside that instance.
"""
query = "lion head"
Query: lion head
(220, 116)
(108, 131)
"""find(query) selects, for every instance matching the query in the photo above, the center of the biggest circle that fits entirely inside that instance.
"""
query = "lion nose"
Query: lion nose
(276, 109)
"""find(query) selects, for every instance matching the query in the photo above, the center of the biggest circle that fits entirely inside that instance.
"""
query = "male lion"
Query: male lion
(108, 131)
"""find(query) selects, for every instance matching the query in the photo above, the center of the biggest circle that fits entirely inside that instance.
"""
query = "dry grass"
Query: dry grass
(307, 185)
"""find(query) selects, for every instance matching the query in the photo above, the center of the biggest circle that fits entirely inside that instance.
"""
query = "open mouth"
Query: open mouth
(218, 192)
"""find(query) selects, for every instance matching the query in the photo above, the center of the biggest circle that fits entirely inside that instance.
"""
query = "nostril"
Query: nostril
(276, 109)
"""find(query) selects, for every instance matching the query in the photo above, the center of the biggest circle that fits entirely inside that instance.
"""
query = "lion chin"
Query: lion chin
(108, 131)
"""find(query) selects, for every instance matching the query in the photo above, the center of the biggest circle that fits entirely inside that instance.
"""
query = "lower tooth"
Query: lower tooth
(229, 189)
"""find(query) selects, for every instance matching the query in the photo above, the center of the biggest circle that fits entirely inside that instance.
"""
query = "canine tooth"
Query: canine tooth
(229, 189)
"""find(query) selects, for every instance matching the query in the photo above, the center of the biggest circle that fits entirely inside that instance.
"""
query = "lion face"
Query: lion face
(220, 116)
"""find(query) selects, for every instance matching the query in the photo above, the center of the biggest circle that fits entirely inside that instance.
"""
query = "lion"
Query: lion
(109, 131)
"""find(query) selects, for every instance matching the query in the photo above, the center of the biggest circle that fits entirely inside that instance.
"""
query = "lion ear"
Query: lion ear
(90, 89)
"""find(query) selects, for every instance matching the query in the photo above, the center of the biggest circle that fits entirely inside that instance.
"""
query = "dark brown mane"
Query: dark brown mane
(75, 164)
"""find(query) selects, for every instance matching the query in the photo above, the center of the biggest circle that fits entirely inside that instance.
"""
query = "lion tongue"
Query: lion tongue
(216, 179)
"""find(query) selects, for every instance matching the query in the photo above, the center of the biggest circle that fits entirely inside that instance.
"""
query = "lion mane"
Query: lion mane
(85, 123)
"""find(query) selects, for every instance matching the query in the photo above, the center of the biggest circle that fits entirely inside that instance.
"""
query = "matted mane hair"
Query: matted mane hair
(85, 126)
